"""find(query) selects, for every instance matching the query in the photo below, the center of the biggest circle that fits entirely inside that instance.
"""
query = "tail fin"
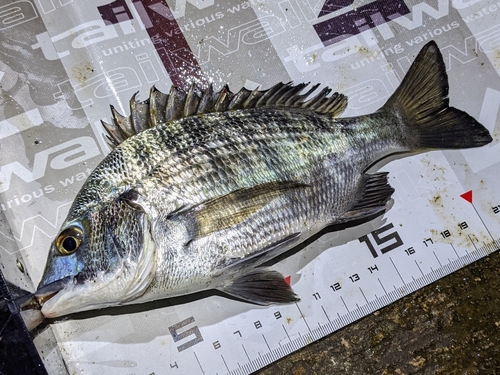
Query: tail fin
(421, 101)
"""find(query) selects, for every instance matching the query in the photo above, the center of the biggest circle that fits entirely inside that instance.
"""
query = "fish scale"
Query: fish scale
(202, 193)
(302, 212)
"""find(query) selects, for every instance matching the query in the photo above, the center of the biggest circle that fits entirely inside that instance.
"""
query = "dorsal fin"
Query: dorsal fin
(161, 108)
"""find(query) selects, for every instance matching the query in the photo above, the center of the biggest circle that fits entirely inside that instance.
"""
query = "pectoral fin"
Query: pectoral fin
(133, 199)
(233, 208)
(261, 286)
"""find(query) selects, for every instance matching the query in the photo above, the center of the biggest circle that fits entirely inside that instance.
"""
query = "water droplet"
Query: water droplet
(19, 265)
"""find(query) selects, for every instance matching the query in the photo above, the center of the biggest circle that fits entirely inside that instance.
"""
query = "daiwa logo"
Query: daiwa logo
(180, 6)
(58, 157)
(342, 35)
(376, 14)
(100, 86)
(16, 13)
(58, 46)
(81, 36)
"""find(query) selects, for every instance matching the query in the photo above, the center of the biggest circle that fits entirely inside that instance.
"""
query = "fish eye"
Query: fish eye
(69, 240)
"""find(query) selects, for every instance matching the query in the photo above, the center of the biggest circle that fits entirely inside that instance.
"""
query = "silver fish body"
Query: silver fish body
(201, 199)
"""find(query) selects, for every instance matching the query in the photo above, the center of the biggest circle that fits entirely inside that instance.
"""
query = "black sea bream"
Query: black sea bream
(203, 188)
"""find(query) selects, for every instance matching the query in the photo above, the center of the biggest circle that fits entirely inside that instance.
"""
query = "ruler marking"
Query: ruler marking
(199, 364)
(473, 244)
(488, 248)
(385, 291)
(484, 249)
(284, 329)
(485, 227)
(327, 328)
(246, 353)
(262, 363)
(359, 312)
(495, 246)
(302, 341)
(363, 310)
(264, 337)
(344, 304)
(341, 324)
(453, 247)
(303, 316)
(321, 330)
(437, 259)
(314, 334)
(327, 317)
(418, 267)
(278, 352)
(335, 324)
(249, 367)
(396, 268)
(225, 364)
(353, 316)
(368, 308)
(297, 343)
(363, 295)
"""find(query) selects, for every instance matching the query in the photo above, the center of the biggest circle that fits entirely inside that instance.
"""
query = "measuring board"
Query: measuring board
(341, 277)
(67, 62)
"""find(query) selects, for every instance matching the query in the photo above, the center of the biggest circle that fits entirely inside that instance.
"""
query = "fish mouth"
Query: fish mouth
(46, 292)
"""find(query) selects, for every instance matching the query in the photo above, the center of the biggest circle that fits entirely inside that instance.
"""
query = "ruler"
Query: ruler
(350, 282)
(438, 223)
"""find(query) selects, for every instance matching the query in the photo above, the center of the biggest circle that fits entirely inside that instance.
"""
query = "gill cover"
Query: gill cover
(107, 261)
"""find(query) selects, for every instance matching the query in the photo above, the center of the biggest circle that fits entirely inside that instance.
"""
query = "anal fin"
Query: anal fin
(261, 286)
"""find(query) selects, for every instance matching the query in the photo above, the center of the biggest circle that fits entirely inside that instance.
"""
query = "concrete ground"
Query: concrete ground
(449, 327)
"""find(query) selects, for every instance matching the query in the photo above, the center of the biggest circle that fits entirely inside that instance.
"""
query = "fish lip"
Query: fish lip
(46, 292)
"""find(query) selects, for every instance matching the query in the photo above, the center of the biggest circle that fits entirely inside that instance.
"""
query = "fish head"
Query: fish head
(103, 257)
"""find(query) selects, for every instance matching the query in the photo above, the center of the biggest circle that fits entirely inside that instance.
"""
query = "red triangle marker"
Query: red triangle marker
(467, 196)
(287, 280)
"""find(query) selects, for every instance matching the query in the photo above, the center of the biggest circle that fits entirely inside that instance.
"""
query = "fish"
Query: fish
(202, 188)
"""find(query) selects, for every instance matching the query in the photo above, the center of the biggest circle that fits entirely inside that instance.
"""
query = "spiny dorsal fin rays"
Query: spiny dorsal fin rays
(113, 134)
(158, 103)
(139, 116)
(206, 101)
(238, 101)
(223, 100)
(192, 102)
(175, 104)
(162, 108)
